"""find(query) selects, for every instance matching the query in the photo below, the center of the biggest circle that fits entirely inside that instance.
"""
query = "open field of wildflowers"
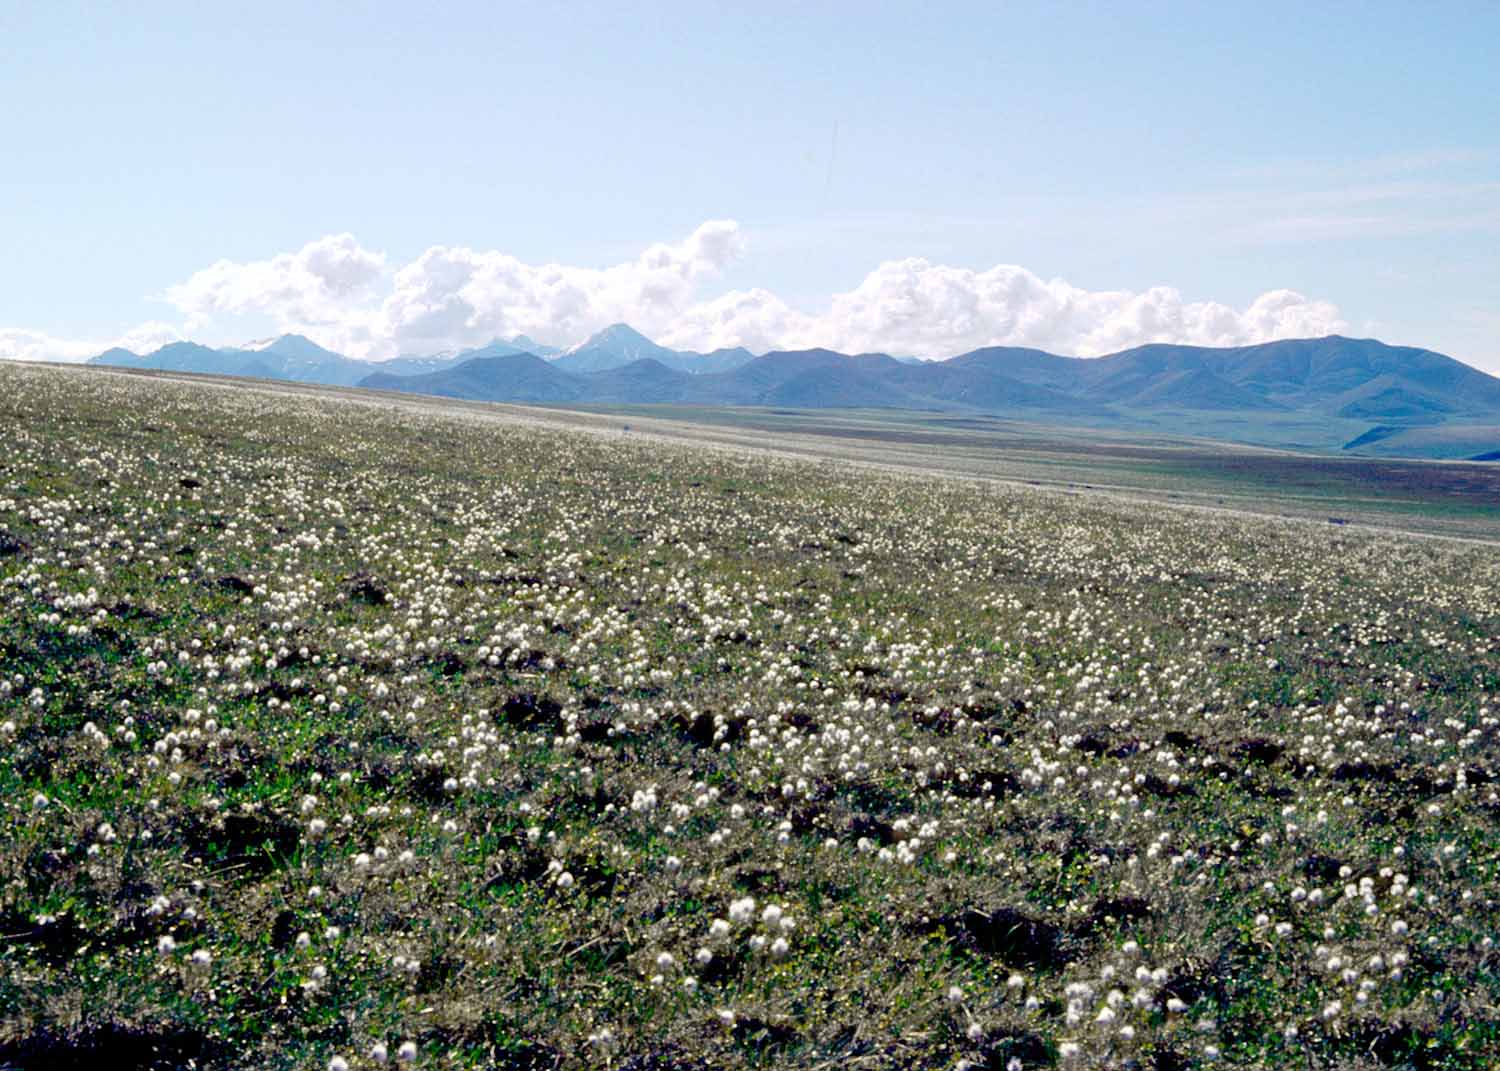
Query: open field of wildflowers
(340, 735)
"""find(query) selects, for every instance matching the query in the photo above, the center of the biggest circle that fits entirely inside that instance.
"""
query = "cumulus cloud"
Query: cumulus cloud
(351, 299)
(320, 283)
(931, 310)
(457, 296)
(755, 319)
(18, 344)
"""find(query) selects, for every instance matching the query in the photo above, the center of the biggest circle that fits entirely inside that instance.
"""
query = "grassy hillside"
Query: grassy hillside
(335, 732)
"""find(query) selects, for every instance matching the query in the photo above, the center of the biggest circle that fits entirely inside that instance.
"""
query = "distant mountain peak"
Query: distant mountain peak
(621, 330)
(527, 344)
(613, 337)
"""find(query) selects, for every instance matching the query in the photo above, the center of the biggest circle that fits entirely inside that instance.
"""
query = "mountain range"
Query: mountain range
(1361, 394)
(301, 360)
(290, 357)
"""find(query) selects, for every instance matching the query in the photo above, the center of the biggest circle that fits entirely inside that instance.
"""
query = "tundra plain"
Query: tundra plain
(340, 730)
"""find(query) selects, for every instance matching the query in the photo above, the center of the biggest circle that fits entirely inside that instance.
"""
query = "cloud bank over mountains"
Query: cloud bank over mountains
(20, 344)
(355, 301)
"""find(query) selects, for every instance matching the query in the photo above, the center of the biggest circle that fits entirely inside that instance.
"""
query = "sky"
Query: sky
(913, 179)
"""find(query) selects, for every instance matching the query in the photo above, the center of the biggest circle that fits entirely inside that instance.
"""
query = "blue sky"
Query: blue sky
(903, 177)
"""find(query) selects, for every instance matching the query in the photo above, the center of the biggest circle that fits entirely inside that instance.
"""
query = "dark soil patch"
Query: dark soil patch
(244, 845)
(55, 942)
(1322, 868)
(1259, 750)
(362, 587)
(1030, 1049)
(1093, 744)
(806, 817)
(284, 929)
(873, 828)
(527, 710)
(1194, 980)
(1399, 1046)
(1110, 911)
(437, 971)
(1380, 772)
(987, 782)
(428, 784)
(1169, 1059)
(595, 732)
(448, 663)
(1165, 789)
(112, 1045)
(1012, 936)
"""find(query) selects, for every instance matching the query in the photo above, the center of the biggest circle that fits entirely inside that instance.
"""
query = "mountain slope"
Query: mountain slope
(417, 366)
(527, 344)
(519, 377)
(614, 347)
(643, 382)
(620, 344)
(302, 360)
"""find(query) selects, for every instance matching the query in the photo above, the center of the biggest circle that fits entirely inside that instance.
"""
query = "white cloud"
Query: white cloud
(146, 337)
(756, 319)
(916, 307)
(18, 344)
(457, 296)
(350, 299)
(318, 284)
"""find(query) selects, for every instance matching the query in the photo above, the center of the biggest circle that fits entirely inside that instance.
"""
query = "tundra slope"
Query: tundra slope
(330, 731)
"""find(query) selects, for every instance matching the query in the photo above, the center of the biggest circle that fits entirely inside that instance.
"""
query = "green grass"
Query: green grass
(338, 692)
